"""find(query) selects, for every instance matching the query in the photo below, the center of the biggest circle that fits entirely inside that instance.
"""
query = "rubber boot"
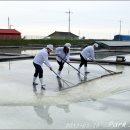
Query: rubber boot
(85, 70)
(34, 81)
(42, 84)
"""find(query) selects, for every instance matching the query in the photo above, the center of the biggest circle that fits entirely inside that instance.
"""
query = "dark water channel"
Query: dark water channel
(98, 54)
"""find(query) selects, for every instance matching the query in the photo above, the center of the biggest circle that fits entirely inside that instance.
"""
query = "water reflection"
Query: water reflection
(82, 78)
(11, 50)
(36, 92)
(29, 52)
(19, 50)
(43, 111)
(64, 107)
(119, 68)
(34, 89)
(60, 85)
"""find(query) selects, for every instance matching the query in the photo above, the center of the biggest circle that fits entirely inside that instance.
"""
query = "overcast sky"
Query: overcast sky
(92, 19)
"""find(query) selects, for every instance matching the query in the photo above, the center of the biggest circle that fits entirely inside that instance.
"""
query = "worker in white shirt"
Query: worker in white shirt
(62, 56)
(87, 52)
(40, 58)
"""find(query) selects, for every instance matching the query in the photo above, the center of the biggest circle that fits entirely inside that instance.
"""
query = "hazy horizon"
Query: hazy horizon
(92, 19)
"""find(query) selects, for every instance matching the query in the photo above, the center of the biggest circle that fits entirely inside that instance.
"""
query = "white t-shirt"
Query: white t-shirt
(60, 52)
(42, 57)
(88, 52)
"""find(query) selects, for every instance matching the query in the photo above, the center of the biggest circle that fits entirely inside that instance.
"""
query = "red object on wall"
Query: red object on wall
(9, 34)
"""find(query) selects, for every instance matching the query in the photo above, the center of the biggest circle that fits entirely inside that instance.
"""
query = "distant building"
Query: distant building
(63, 35)
(122, 38)
(7, 34)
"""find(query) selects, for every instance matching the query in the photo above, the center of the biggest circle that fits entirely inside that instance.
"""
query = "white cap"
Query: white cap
(67, 45)
(96, 45)
(50, 47)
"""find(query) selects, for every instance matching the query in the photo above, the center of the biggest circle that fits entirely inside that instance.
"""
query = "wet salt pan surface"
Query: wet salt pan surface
(100, 103)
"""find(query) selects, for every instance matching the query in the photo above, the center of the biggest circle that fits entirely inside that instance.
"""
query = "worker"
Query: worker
(40, 58)
(62, 56)
(87, 52)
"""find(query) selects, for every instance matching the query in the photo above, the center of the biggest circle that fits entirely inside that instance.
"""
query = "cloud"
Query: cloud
(44, 17)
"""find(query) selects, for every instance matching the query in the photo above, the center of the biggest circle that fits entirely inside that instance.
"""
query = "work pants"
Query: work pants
(38, 70)
(61, 64)
(83, 61)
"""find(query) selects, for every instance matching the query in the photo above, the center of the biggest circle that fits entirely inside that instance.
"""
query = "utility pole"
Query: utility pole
(69, 22)
(79, 33)
(120, 28)
(11, 26)
(8, 23)
(120, 31)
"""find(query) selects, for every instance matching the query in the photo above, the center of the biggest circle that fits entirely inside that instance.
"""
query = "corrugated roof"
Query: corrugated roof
(9, 31)
(115, 43)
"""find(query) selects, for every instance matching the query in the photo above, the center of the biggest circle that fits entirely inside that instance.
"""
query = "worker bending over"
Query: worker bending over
(62, 56)
(40, 58)
(87, 52)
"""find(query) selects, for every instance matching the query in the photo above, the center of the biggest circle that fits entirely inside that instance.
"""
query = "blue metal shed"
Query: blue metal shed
(122, 37)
